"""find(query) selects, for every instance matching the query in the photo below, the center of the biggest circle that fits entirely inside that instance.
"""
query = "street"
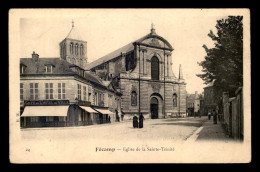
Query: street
(120, 142)
(172, 129)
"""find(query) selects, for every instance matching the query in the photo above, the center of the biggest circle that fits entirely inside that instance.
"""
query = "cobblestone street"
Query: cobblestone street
(179, 129)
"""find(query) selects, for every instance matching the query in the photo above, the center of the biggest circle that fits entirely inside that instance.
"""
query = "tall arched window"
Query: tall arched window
(64, 49)
(155, 68)
(174, 99)
(81, 50)
(71, 48)
(134, 98)
(76, 49)
(61, 51)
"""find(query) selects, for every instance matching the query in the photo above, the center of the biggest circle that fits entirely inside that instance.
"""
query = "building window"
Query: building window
(109, 100)
(174, 100)
(167, 74)
(22, 69)
(101, 99)
(155, 68)
(89, 93)
(48, 90)
(76, 49)
(61, 91)
(96, 98)
(134, 98)
(84, 93)
(48, 68)
(64, 50)
(79, 92)
(81, 50)
(34, 91)
(71, 48)
(21, 92)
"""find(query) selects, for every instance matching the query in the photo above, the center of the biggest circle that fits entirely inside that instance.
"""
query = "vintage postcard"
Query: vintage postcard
(129, 86)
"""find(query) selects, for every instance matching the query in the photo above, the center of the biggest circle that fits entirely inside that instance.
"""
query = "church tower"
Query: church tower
(73, 49)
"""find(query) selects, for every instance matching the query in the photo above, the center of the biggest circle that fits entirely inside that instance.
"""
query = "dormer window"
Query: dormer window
(49, 68)
(22, 68)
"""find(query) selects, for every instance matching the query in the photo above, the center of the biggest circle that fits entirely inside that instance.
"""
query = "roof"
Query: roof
(33, 67)
(61, 67)
(112, 55)
(192, 96)
(126, 48)
(73, 34)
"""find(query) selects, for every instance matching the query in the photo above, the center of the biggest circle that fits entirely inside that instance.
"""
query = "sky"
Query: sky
(106, 30)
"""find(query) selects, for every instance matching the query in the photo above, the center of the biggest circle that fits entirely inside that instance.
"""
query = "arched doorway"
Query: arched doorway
(154, 105)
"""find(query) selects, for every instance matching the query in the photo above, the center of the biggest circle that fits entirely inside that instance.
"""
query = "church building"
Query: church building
(142, 72)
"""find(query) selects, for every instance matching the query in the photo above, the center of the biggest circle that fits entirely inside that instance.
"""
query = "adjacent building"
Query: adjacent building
(60, 92)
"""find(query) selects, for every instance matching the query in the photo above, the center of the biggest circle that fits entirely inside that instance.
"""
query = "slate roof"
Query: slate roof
(114, 54)
(60, 67)
(74, 34)
(126, 48)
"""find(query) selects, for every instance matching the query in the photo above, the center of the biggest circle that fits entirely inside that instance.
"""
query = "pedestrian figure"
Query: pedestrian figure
(215, 117)
(141, 119)
(199, 113)
(109, 119)
(117, 116)
(135, 122)
(209, 115)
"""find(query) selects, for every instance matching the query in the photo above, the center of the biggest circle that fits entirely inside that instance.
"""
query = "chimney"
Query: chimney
(35, 56)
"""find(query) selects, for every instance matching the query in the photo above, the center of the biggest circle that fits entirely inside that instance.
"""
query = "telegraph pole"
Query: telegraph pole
(164, 82)
(139, 110)
(179, 99)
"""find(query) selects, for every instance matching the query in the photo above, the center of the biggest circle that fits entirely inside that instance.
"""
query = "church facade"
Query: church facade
(142, 72)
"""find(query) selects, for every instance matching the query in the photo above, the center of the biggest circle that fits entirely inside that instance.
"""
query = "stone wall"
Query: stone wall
(151, 89)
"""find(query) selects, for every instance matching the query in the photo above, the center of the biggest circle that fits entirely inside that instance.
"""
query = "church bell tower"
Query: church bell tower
(73, 49)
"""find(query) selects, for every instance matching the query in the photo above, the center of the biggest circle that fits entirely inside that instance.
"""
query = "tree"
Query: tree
(223, 64)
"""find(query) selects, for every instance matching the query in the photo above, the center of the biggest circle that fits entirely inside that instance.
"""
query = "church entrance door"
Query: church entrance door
(154, 108)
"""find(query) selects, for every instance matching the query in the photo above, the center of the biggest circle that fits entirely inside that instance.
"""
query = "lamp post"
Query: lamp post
(139, 110)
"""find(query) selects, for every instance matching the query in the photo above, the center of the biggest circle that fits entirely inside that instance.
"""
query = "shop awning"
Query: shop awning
(104, 111)
(88, 109)
(30, 111)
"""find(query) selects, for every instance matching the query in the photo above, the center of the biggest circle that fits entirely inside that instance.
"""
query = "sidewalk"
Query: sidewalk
(212, 131)
(74, 127)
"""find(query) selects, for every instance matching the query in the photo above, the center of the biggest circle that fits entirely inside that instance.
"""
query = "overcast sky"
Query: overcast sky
(108, 30)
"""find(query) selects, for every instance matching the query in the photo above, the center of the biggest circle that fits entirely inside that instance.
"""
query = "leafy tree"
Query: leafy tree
(223, 64)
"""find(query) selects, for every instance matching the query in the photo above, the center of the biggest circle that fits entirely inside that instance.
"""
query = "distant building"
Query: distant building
(193, 103)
